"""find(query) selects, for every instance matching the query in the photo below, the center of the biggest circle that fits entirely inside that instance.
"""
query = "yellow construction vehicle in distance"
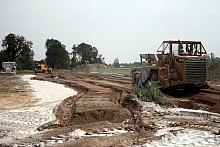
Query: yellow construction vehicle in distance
(42, 68)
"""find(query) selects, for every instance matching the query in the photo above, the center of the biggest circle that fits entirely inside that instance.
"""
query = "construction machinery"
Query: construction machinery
(9, 68)
(177, 65)
(42, 68)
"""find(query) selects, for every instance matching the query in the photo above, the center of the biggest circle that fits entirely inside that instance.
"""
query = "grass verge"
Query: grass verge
(149, 94)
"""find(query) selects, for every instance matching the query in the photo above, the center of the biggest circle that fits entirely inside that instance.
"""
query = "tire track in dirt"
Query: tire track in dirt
(98, 101)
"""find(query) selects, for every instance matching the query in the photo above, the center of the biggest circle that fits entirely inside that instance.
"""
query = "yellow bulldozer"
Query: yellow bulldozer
(42, 68)
(177, 65)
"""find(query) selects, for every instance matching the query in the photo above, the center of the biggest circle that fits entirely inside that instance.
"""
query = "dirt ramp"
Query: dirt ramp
(88, 108)
(89, 67)
(114, 115)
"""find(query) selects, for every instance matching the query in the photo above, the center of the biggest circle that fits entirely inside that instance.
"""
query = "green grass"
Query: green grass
(103, 70)
(107, 70)
(149, 94)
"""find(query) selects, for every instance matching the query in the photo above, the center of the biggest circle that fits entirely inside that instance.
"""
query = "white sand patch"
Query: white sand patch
(47, 91)
(26, 120)
(186, 137)
(176, 110)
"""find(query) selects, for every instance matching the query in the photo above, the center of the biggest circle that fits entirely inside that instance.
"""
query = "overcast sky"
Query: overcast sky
(118, 28)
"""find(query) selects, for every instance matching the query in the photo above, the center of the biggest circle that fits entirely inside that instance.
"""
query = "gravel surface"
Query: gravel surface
(186, 138)
(179, 127)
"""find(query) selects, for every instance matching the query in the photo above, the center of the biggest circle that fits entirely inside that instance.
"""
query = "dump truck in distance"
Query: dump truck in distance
(177, 64)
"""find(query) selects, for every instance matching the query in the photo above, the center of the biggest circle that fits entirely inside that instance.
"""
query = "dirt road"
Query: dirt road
(19, 123)
(114, 89)
(104, 114)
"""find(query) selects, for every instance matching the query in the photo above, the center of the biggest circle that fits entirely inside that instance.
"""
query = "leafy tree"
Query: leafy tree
(116, 63)
(74, 59)
(25, 60)
(56, 54)
(3, 57)
(17, 48)
(85, 54)
(100, 59)
(14, 44)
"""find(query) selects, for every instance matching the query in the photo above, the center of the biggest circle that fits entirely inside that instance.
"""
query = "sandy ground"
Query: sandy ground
(14, 92)
(21, 122)
(97, 116)
(173, 123)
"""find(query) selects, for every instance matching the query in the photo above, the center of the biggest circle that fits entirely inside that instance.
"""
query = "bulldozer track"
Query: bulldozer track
(209, 91)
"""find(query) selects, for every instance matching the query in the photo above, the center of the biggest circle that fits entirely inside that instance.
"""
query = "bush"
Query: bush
(213, 70)
(149, 94)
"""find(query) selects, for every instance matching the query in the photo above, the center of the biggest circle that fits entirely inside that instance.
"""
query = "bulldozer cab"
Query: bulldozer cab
(182, 48)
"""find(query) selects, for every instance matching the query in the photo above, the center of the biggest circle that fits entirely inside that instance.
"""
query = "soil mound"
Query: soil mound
(92, 67)
(93, 107)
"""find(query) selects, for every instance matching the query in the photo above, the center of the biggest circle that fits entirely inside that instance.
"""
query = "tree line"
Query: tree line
(18, 49)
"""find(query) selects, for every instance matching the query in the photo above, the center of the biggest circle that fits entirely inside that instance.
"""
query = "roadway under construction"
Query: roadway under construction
(104, 112)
